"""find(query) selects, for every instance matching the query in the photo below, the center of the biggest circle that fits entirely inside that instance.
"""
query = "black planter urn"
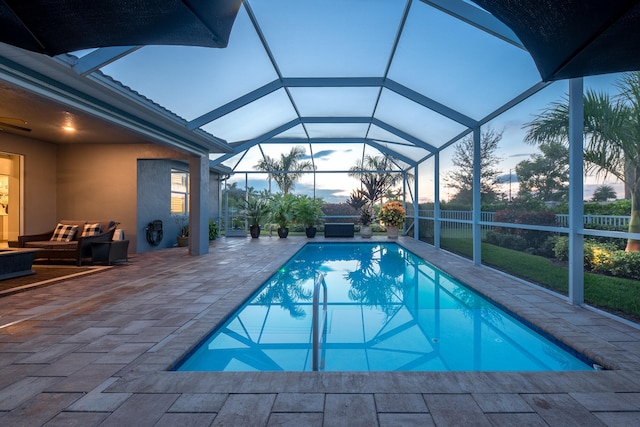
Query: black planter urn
(283, 232)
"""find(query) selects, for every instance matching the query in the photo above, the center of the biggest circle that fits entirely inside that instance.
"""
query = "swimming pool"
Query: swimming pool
(386, 310)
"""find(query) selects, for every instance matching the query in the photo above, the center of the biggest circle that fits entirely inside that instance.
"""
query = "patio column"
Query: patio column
(576, 192)
(199, 205)
(477, 205)
(436, 201)
(416, 206)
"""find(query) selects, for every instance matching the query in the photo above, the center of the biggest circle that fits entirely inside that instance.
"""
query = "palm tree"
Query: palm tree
(373, 173)
(612, 137)
(603, 193)
(287, 170)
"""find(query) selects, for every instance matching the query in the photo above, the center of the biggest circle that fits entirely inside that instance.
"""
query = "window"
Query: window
(179, 192)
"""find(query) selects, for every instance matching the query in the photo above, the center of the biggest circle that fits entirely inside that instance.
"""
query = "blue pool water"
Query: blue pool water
(387, 310)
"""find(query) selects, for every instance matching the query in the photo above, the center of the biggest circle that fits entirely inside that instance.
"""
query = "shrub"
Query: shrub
(535, 238)
(619, 207)
(626, 264)
(561, 248)
(602, 258)
(505, 240)
(547, 248)
(598, 256)
(507, 215)
(492, 237)
(339, 209)
(214, 230)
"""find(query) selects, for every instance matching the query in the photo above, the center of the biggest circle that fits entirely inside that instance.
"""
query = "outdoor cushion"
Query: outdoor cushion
(104, 225)
(64, 233)
(80, 223)
(91, 229)
(52, 244)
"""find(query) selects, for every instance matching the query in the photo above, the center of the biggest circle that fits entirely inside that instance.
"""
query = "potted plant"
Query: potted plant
(366, 218)
(256, 210)
(392, 216)
(182, 223)
(308, 211)
(214, 229)
(282, 213)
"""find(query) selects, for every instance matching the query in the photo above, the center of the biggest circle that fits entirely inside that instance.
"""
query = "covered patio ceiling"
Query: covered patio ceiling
(344, 79)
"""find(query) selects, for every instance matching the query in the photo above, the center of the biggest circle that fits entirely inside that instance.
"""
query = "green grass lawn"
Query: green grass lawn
(616, 295)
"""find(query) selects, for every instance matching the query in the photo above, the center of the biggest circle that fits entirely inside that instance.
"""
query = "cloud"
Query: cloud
(324, 154)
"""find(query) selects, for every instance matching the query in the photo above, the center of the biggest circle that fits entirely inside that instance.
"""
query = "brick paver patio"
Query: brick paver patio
(95, 351)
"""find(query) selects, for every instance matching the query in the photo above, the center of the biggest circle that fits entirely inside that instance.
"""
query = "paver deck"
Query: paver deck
(95, 351)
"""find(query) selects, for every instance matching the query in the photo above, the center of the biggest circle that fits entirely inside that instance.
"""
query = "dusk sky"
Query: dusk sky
(437, 56)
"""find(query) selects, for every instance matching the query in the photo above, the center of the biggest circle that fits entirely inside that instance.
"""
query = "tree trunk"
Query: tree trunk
(633, 245)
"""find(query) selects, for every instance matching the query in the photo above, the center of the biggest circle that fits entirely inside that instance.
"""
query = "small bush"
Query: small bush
(626, 264)
(214, 230)
(492, 238)
(602, 258)
(561, 248)
(507, 215)
(534, 238)
(619, 207)
(547, 248)
(509, 241)
(598, 256)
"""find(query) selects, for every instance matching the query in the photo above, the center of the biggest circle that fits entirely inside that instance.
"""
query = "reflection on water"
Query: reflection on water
(387, 310)
(376, 280)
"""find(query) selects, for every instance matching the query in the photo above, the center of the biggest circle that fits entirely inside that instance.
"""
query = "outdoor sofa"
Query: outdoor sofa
(71, 239)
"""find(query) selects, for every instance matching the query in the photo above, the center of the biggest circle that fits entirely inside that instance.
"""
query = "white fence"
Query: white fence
(562, 220)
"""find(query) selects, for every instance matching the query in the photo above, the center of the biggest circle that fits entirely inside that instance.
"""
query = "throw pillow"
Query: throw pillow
(91, 229)
(64, 233)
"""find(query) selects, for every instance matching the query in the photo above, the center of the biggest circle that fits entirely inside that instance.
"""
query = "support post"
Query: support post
(416, 206)
(199, 205)
(576, 191)
(436, 201)
(477, 205)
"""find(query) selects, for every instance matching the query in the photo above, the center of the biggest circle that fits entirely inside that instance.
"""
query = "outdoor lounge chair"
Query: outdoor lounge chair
(67, 242)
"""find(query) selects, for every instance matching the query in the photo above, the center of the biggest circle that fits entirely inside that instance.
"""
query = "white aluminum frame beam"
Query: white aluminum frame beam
(477, 198)
(478, 18)
(267, 137)
(286, 83)
(436, 201)
(576, 191)
(100, 58)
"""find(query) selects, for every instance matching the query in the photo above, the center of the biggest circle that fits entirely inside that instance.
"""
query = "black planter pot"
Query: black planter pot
(283, 232)
(255, 231)
(310, 231)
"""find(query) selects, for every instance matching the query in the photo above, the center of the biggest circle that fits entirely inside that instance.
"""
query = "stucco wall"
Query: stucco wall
(40, 192)
(154, 200)
(99, 181)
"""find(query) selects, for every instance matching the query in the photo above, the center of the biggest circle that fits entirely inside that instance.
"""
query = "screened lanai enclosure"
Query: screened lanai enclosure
(428, 85)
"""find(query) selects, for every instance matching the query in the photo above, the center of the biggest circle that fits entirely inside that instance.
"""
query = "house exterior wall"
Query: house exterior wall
(154, 194)
(39, 201)
(154, 201)
(100, 182)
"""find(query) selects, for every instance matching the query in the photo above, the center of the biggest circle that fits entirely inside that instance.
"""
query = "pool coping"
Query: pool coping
(94, 350)
(604, 340)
